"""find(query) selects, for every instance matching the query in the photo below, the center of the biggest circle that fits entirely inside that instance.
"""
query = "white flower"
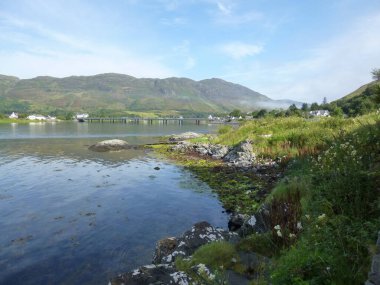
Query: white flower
(292, 235)
(299, 226)
(321, 217)
(279, 233)
(278, 227)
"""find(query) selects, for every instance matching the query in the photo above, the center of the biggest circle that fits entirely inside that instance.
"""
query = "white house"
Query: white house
(210, 118)
(13, 116)
(36, 117)
(81, 116)
(320, 113)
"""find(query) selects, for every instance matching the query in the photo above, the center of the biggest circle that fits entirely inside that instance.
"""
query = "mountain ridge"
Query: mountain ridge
(117, 92)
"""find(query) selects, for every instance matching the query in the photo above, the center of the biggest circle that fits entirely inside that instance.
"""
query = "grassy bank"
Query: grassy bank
(325, 212)
(18, 121)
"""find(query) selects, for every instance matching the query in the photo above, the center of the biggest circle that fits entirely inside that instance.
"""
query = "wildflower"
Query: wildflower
(211, 277)
(292, 235)
(279, 234)
(299, 226)
(278, 227)
(307, 217)
(321, 217)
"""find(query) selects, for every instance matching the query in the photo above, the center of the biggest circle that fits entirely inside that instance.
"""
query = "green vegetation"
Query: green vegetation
(117, 94)
(324, 211)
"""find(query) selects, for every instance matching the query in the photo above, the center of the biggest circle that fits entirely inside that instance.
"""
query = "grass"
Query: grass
(324, 212)
(18, 121)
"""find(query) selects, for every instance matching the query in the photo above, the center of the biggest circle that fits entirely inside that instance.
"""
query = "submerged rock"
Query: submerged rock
(109, 145)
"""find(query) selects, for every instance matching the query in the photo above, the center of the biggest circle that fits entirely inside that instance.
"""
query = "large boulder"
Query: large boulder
(110, 145)
(241, 156)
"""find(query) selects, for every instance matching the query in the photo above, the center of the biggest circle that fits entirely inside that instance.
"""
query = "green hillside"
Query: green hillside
(117, 93)
(362, 101)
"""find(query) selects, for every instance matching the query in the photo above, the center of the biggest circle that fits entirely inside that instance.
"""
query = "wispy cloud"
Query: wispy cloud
(64, 55)
(238, 50)
(332, 69)
(225, 9)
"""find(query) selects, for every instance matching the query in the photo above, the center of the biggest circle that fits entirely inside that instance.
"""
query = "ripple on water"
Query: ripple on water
(92, 219)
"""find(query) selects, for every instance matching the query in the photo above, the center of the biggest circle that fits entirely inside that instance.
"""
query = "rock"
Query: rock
(109, 145)
(184, 136)
(161, 274)
(241, 155)
(374, 274)
(156, 168)
(164, 247)
(200, 234)
(163, 270)
(256, 265)
(234, 278)
(218, 151)
(236, 221)
(257, 223)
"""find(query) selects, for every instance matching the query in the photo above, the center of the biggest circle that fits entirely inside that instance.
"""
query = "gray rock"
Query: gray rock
(236, 221)
(109, 145)
(200, 234)
(218, 151)
(257, 223)
(241, 156)
(256, 265)
(163, 270)
(161, 274)
(184, 136)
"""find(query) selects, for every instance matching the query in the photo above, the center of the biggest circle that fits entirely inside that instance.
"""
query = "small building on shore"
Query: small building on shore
(320, 113)
(13, 116)
(36, 117)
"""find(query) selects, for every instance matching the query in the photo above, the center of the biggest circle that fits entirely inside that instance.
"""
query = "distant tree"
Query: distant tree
(261, 113)
(314, 107)
(293, 107)
(324, 102)
(236, 113)
(305, 107)
(376, 74)
(336, 111)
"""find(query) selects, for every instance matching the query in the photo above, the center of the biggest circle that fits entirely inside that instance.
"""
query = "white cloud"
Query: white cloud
(224, 8)
(333, 69)
(63, 55)
(238, 50)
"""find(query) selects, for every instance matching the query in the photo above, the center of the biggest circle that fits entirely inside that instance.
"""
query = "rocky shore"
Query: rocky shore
(163, 269)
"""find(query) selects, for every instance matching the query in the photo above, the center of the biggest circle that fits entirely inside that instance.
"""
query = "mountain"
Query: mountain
(361, 101)
(118, 92)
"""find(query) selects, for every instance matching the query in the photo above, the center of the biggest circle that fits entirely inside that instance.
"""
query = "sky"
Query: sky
(285, 49)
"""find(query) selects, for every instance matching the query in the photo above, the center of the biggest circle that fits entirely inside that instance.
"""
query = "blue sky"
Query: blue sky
(302, 50)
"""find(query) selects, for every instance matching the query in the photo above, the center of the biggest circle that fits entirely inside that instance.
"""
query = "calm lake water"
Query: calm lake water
(72, 216)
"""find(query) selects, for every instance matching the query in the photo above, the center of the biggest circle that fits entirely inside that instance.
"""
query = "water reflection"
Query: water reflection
(72, 216)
